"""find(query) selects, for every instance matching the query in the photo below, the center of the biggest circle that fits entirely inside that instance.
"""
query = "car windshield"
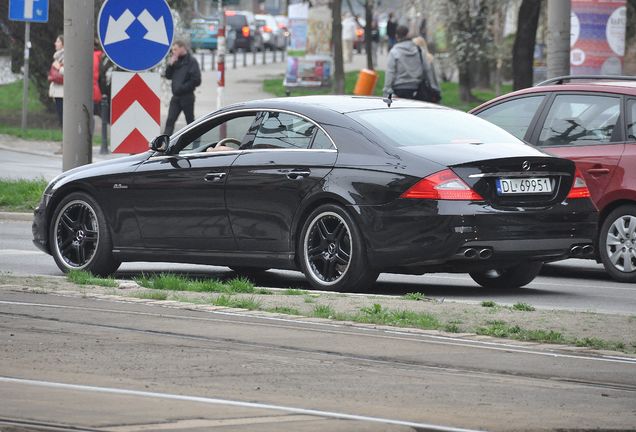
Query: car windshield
(406, 127)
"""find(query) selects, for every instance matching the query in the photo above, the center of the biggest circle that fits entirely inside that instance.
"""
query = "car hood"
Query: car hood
(461, 153)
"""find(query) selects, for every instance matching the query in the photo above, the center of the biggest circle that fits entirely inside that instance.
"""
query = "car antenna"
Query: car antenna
(387, 100)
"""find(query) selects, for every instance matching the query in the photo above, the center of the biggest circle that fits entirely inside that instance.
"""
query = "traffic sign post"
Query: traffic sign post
(28, 11)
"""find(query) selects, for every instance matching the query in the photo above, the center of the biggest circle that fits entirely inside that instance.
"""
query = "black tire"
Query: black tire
(332, 253)
(80, 238)
(248, 271)
(617, 244)
(509, 278)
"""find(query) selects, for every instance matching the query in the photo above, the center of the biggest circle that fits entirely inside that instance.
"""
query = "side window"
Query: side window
(580, 120)
(321, 141)
(284, 131)
(631, 120)
(514, 116)
(202, 138)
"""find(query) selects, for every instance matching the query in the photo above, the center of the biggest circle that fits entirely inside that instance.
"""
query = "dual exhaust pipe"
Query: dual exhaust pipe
(582, 251)
(475, 253)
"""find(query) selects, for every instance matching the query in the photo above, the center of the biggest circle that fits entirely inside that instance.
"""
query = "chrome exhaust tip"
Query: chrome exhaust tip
(588, 250)
(576, 251)
(485, 253)
(470, 253)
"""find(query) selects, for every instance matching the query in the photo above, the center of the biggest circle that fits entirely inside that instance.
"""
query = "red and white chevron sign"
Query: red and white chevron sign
(135, 111)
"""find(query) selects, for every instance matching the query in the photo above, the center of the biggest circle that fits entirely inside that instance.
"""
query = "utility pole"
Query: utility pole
(79, 27)
(558, 38)
(220, 48)
(25, 79)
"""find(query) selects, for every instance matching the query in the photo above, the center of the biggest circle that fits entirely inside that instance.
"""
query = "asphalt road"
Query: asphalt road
(117, 366)
(572, 284)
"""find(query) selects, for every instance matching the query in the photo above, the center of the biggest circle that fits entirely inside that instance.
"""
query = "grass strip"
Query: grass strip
(81, 277)
(20, 195)
(173, 282)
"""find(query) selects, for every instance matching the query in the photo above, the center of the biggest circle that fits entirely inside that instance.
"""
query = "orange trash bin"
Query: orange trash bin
(365, 85)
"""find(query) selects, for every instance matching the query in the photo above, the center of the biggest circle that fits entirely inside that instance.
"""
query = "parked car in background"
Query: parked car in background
(242, 31)
(283, 23)
(342, 188)
(590, 120)
(203, 33)
(273, 36)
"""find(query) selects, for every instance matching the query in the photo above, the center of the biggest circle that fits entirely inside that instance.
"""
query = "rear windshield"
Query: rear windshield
(406, 127)
(236, 21)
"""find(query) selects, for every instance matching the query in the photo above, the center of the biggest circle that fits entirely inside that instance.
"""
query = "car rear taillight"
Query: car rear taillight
(443, 185)
(246, 31)
(579, 187)
(266, 29)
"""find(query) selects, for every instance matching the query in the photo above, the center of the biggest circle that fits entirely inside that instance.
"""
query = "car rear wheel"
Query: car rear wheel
(332, 253)
(80, 238)
(511, 277)
(617, 244)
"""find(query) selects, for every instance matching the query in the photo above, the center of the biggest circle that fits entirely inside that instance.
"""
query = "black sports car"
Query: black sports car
(342, 188)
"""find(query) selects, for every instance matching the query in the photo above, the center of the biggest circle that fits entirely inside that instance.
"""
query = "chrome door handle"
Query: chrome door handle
(214, 177)
(298, 174)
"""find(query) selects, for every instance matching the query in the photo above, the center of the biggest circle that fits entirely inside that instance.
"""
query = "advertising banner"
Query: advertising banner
(597, 40)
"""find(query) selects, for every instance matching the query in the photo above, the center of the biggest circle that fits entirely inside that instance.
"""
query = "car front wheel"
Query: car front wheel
(511, 277)
(617, 244)
(79, 236)
(332, 253)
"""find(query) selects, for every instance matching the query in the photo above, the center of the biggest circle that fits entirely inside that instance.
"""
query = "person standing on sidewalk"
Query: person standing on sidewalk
(183, 70)
(56, 78)
(348, 37)
(391, 28)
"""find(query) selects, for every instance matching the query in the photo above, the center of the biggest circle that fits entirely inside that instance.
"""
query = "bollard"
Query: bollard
(244, 58)
(105, 115)
(234, 60)
(213, 60)
(264, 52)
(202, 62)
(253, 56)
(274, 53)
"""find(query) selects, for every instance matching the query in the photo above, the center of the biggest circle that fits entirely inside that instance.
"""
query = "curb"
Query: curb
(16, 216)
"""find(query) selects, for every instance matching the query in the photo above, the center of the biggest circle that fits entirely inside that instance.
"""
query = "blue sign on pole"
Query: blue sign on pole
(136, 35)
(29, 10)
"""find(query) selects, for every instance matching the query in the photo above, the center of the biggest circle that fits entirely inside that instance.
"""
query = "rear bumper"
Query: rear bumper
(433, 235)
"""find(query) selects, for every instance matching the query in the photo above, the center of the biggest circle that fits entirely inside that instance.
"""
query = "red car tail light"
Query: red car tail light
(579, 187)
(266, 29)
(246, 31)
(443, 185)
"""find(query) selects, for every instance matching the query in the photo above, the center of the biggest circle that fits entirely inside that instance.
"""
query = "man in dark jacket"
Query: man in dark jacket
(183, 70)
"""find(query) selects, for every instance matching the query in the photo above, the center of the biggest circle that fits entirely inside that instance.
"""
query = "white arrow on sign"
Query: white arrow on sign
(116, 29)
(156, 28)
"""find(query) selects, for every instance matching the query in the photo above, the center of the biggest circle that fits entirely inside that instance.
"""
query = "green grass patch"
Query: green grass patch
(81, 277)
(150, 295)
(399, 318)
(309, 299)
(323, 311)
(525, 307)
(285, 310)
(417, 296)
(20, 195)
(240, 303)
(600, 344)
(502, 330)
(173, 282)
(488, 304)
(32, 134)
(450, 90)
(294, 292)
(11, 98)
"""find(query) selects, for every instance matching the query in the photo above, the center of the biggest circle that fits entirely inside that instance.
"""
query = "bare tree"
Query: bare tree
(525, 39)
(336, 40)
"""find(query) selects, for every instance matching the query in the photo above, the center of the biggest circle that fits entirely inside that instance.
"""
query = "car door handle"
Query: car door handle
(598, 171)
(214, 177)
(298, 174)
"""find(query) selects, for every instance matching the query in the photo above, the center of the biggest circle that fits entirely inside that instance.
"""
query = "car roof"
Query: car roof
(601, 86)
(339, 103)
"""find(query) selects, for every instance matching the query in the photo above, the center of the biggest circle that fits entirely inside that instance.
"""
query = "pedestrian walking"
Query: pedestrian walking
(183, 70)
(435, 94)
(391, 29)
(56, 78)
(348, 37)
(375, 41)
(97, 93)
(407, 68)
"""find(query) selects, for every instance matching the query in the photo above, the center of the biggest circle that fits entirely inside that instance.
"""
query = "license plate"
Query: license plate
(535, 185)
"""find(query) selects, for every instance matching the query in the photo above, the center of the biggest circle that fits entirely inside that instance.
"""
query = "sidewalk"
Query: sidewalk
(241, 84)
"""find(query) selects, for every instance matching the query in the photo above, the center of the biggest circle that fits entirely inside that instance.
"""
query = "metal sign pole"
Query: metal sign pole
(25, 86)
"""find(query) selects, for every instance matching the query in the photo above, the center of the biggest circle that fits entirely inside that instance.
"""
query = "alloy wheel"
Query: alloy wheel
(328, 248)
(76, 234)
(621, 243)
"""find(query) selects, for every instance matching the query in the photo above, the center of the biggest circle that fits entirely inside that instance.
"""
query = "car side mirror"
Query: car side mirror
(160, 143)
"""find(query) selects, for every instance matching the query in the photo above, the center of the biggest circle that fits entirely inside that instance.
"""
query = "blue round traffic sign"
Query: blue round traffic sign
(136, 35)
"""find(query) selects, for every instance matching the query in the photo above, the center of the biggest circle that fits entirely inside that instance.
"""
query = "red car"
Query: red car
(590, 120)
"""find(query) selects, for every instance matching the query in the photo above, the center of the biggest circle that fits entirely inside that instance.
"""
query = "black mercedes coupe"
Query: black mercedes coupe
(343, 188)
